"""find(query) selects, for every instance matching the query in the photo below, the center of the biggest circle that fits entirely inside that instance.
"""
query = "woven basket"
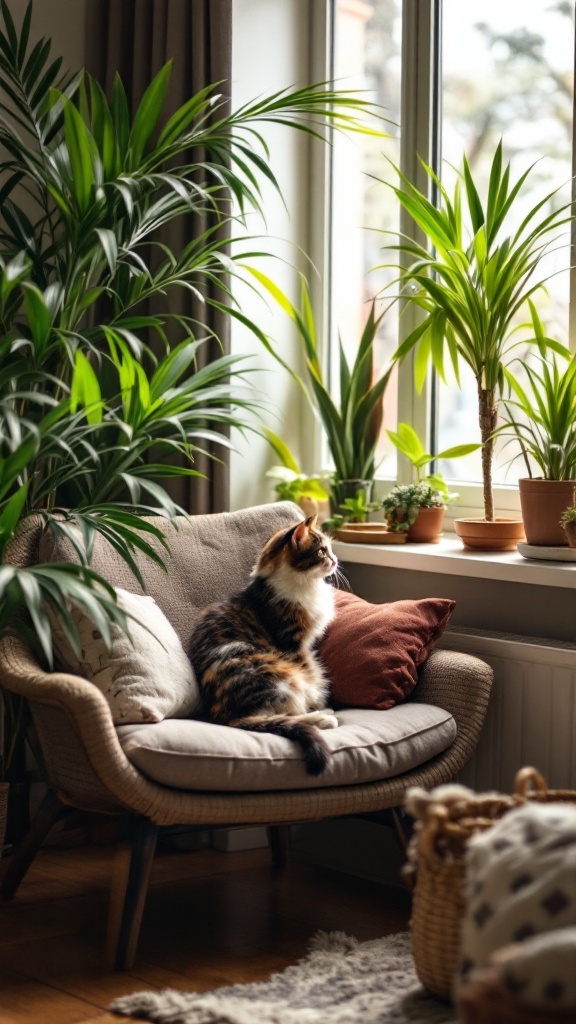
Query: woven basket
(437, 867)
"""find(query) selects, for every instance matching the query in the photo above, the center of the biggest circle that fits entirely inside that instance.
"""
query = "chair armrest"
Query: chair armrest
(461, 684)
(76, 732)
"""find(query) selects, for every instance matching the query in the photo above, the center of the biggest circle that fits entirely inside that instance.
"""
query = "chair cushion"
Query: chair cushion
(366, 747)
(372, 652)
(146, 675)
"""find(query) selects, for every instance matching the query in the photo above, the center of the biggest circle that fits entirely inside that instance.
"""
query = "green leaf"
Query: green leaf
(78, 143)
(148, 114)
(282, 451)
(85, 390)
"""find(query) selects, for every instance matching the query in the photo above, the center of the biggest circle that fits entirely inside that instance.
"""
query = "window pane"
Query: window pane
(507, 73)
(366, 56)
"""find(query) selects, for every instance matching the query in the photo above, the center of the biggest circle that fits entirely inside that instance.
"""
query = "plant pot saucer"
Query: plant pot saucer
(369, 533)
(548, 554)
(482, 535)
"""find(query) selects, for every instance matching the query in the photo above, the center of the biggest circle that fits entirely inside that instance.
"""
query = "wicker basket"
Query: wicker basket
(436, 869)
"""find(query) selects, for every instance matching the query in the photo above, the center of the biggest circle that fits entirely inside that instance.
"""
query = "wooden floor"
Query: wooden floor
(211, 919)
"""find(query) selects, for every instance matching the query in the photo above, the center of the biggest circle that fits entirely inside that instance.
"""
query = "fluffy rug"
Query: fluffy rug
(341, 981)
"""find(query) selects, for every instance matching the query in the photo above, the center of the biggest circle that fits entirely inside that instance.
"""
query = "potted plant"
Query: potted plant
(541, 417)
(568, 521)
(291, 483)
(426, 525)
(404, 505)
(352, 517)
(96, 407)
(353, 422)
(480, 277)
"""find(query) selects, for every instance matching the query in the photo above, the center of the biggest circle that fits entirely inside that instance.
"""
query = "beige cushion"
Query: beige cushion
(367, 746)
(146, 676)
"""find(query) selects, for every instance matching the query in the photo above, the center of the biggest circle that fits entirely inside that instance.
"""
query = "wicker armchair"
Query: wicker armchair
(86, 764)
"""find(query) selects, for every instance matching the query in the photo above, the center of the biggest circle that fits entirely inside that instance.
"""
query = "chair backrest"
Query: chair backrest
(210, 556)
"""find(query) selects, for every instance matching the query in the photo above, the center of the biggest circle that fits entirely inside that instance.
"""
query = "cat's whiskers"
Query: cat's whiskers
(338, 580)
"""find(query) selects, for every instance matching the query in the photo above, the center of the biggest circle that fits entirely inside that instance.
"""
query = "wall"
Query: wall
(498, 605)
(260, 66)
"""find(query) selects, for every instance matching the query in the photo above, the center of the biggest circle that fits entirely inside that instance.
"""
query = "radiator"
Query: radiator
(531, 718)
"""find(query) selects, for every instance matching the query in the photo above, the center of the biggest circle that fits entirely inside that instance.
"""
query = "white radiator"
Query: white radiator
(531, 718)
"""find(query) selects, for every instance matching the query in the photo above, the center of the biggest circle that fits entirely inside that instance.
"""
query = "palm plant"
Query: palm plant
(473, 289)
(94, 400)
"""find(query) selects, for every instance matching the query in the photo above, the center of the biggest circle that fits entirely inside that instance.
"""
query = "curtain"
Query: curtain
(136, 38)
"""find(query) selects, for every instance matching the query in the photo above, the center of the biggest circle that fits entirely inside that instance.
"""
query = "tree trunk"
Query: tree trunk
(488, 415)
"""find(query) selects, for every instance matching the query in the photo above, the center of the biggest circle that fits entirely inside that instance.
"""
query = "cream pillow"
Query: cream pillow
(146, 676)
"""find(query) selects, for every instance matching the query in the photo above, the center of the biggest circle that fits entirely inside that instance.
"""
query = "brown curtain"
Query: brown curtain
(135, 38)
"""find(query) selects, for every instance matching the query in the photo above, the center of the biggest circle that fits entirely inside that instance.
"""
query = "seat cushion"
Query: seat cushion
(367, 746)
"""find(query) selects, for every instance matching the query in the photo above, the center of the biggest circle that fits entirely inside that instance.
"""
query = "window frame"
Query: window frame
(421, 115)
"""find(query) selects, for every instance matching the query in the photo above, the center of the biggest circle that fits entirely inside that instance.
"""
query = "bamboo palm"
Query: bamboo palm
(94, 402)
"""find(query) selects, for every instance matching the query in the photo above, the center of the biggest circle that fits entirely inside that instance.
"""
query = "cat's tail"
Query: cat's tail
(308, 736)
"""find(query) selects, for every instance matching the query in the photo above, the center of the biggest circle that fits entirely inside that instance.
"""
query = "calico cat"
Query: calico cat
(252, 652)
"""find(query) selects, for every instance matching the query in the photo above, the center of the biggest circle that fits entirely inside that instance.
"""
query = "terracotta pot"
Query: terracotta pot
(481, 535)
(543, 502)
(427, 526)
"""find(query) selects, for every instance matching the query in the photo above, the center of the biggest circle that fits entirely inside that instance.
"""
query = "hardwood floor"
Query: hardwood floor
(211, 919)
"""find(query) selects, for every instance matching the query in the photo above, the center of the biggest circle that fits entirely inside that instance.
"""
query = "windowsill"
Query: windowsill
(452, 559)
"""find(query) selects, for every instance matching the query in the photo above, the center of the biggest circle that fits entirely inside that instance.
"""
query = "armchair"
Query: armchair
(94, 766)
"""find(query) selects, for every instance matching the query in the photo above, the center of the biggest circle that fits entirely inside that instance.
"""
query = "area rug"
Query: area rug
(341, 981)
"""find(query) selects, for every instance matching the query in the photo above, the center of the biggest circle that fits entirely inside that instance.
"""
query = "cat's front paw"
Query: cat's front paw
(328, 721)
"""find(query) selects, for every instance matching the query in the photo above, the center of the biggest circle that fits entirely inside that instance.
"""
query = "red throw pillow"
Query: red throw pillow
(371, 652)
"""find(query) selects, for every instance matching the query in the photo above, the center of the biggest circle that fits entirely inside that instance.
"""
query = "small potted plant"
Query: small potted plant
(404, 505)
(292, 484)
(541, 417)
(568, 523)
(426, 525)
(350, 523)
(475, 279)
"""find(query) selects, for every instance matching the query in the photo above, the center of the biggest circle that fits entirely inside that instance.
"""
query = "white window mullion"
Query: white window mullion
(417, 125)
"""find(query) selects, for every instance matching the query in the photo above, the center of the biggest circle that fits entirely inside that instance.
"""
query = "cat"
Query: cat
(252, 653)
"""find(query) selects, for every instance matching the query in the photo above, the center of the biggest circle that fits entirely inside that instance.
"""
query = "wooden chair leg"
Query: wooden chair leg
(132, 869)
(402, 826)
(279, 842)
(50, 810)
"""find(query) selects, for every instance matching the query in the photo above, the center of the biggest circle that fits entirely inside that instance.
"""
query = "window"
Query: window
(470, 75)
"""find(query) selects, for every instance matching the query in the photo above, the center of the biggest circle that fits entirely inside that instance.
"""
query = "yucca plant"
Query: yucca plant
(95, 401)
(475, 282)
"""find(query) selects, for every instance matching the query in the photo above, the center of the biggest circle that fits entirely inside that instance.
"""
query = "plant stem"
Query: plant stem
(488, 415)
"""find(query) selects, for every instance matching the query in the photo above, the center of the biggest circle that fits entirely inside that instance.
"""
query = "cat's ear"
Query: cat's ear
(311, 522)
(300, 532)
